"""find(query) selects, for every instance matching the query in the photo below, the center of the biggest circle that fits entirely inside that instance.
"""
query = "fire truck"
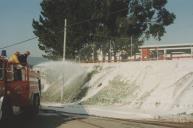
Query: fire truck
(19, 89)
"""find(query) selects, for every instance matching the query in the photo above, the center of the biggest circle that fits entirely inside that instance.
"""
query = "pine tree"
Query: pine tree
(99, 23)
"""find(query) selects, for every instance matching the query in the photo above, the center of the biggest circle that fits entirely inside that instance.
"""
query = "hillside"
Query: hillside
(158, 88)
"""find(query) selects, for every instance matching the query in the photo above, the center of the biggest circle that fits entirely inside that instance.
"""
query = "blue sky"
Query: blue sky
(16, 24)
(182, 29)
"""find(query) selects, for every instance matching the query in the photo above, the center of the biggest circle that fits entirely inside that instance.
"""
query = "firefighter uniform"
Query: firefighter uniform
(14, 58)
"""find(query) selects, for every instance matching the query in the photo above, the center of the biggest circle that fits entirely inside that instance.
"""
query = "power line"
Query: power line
(83, 21)
(18, 43)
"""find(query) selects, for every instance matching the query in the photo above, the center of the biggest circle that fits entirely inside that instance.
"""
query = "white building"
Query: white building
(169, 51)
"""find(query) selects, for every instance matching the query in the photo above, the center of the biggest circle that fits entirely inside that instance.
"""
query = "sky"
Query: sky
(182, 29)
(16, 24)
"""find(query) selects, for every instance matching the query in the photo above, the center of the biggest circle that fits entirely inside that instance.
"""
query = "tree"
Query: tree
(49, 27)
(146, 18)
(110, 13)
(149, 18)
(99, 22)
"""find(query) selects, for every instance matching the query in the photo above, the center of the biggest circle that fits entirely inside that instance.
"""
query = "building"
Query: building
(169, 51)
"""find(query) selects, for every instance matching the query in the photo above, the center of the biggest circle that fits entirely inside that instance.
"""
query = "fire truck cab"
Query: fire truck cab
(19, 88)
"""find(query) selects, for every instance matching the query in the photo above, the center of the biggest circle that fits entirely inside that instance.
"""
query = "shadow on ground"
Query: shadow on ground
(43, 120)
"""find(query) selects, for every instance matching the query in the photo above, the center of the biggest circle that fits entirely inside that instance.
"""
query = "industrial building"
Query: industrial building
(169, 51)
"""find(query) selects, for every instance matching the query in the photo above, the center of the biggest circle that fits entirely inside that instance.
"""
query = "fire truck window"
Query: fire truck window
(17, 74)
(1, 71)
(10, 73)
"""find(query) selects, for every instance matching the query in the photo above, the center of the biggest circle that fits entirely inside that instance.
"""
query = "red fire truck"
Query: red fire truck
(19, 88)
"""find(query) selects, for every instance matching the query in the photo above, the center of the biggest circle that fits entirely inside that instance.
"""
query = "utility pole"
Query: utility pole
(110, 51)
(64, 58)
(131, 46)
(64, 47)
(157, 54)
(93, 52)
(157, 47)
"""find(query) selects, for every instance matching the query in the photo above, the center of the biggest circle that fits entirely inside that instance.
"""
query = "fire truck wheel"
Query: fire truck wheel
(6, 110)
(36, 104)
(33, 109)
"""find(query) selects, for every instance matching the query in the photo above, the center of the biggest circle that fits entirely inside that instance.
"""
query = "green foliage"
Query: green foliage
(99, 22)
(149, 18)
(50, 26)
(86, 53)
(71, 93)
(116, 92)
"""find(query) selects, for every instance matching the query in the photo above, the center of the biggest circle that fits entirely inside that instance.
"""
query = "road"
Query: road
(53, 119)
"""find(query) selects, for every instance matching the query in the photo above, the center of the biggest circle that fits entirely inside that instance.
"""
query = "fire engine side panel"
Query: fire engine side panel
(33, 84)
(21, 92)
(18, 93)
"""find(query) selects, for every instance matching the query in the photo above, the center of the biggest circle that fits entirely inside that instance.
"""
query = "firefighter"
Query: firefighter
(23, 58)
(14, 58)
(17, 67)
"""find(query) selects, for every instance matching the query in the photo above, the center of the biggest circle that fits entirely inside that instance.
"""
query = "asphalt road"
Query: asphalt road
(52, 119)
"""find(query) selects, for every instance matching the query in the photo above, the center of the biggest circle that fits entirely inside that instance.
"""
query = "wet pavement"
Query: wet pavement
(53, 119)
